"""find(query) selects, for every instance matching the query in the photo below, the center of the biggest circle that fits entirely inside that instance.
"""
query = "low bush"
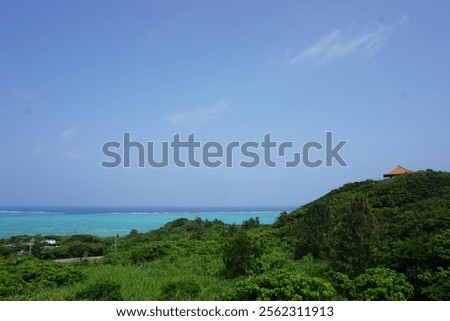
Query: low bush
(180, 290)
(103, 290)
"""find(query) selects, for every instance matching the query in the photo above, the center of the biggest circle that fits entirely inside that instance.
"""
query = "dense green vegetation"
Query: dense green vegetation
(370, 240)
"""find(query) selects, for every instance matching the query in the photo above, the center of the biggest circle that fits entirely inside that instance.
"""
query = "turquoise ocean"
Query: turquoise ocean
(109, 221)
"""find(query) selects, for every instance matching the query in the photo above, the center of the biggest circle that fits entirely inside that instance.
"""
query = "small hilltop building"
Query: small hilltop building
(399, 170)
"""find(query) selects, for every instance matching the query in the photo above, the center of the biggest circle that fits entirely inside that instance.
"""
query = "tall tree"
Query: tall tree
(354, 237)
(240, 254)
(316, 225)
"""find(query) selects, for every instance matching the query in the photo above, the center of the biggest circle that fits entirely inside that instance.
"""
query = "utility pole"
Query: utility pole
(30, 244)
(115, 242)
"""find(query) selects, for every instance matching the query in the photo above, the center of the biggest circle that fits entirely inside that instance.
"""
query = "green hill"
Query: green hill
(402, 224)
(414, 191)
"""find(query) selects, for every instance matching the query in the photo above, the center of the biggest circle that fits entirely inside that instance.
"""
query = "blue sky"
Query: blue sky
(74, 75)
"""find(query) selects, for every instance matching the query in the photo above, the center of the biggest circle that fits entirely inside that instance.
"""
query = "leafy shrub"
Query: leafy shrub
(341, 282)
(25, 275)
(5, 251)
(133, 232)
(176, 223)
(180, 290)
(301, 249)
(85, 238)
(281, 286)
(79, 249)
(282, 220)
(149, 252)
(436, 285)
(251, 223)
(103, 290)
(439, 247)
(381, 284)
(10, 285)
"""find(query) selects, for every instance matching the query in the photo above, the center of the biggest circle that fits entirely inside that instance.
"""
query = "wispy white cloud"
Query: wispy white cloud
(199, 114)
(345, 42)
(67, 134)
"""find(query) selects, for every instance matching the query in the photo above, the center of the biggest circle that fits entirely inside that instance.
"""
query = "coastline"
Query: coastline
(110, 221)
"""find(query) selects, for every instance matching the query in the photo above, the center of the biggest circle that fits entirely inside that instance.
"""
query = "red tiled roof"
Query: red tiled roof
(397, 171)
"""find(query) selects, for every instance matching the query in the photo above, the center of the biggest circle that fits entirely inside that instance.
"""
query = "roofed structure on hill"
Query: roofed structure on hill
(399, 170)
